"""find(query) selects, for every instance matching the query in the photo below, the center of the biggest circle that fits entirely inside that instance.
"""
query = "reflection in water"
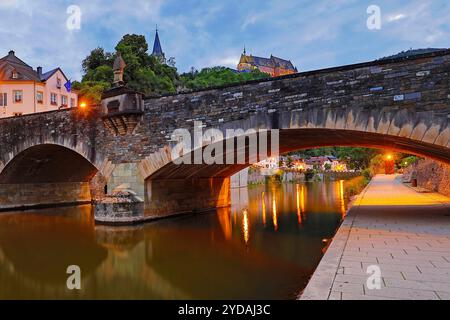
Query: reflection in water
(235, 253)
(274, 213)
(264, 209)
(245, 226)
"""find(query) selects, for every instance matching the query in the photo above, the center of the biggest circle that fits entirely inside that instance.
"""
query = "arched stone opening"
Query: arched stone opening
(46, 175)
(179, 188)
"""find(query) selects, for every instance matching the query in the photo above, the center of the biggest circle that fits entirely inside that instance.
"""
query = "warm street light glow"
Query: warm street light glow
(83, 105)
(275, 214)
(245, 227)
(264, 208)
(389, 157)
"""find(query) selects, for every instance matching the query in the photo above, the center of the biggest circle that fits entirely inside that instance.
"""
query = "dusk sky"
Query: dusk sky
(312, 34)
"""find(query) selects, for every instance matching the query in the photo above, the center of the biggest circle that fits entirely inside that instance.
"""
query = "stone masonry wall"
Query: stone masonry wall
(29, 195)
(431, 175)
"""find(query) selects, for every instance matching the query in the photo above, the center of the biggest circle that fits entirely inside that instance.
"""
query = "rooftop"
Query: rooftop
(11, 63)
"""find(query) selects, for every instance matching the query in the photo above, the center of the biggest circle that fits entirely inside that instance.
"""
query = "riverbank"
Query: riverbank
(254, 177)
(391, 227)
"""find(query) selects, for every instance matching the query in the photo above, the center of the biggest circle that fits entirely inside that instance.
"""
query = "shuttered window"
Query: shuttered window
(3, 99)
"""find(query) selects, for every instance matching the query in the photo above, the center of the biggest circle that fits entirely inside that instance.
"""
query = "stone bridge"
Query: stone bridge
(77, 155)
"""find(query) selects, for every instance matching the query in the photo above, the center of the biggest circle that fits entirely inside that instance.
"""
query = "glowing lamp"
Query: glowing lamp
(83, 105)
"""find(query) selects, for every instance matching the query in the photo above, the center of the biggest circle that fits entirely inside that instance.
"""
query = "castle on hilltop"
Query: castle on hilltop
(273, 65)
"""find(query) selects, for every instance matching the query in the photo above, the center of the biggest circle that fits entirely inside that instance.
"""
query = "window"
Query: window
(3, 99)
(40, 97)
(64, 101)
(17, 114)
(72, 102)
(15, 75)
(53, 99)
(58, 83)
(18, 96)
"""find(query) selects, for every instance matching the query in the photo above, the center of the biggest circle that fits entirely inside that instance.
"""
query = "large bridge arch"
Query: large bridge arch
(397, 130)
(205, 186)
(47, 163)
(46, 174)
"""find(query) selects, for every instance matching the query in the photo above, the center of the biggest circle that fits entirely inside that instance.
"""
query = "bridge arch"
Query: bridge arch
(45, 175)
(393, 130)
(47, 163)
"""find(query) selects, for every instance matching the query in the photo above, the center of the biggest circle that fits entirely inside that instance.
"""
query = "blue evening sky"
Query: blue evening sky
(313, 34)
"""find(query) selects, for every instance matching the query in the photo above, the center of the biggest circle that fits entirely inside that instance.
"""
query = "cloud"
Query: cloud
(200, 33)
(421, 23)
(396, 17)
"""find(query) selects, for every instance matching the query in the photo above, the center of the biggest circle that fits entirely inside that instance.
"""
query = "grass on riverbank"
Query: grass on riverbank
(355, 186)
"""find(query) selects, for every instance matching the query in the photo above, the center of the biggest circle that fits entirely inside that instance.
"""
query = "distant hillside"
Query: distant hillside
(412, 52)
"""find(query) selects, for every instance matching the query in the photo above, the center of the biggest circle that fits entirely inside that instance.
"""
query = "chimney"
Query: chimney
(11, 53)
(39, 71)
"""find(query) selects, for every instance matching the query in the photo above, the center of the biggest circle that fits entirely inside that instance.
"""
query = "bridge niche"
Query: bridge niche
(46, 175)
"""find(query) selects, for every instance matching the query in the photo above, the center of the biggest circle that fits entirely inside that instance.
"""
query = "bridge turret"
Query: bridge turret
(122, 106)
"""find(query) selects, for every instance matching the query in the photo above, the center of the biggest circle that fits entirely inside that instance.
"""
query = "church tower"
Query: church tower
(157, 49)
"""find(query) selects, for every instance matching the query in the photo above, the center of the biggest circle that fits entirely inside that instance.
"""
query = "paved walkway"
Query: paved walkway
(403, 232)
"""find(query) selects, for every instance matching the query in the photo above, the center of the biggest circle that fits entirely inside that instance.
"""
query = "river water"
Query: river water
(266, 246)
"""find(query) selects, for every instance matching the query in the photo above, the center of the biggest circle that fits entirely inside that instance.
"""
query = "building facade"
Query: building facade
(274, 66)
(24, 90)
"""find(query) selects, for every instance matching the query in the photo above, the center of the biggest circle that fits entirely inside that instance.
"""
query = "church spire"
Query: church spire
(157, 49)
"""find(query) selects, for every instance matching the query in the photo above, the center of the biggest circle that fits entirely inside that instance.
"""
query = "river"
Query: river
(266, 246)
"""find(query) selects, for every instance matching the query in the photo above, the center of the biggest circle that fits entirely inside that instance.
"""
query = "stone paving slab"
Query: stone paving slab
(404, 233)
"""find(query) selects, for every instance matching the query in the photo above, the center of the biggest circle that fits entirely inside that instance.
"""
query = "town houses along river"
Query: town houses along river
(265, 247)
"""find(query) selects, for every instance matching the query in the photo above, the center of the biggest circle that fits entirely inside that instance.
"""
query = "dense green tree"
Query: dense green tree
(143, 72)
(408, 160)
(102, 73)
(147, 74)
(98, 57)
(218, 76)
(356, 158)
(377, 165)
(135, 45)
(91, 91)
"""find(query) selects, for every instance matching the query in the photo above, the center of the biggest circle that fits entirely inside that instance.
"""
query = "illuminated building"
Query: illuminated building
(273, 65)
